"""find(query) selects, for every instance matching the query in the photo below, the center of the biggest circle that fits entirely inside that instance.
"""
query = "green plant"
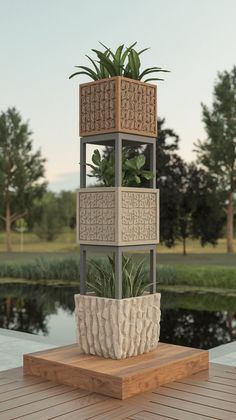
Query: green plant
(101, 278)
(122, 62)
(132, 169)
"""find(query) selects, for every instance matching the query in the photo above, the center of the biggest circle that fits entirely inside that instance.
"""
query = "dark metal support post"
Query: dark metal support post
(118, 273)
(82, 164)
(153, 270)
(153, 163)
(82, 271)
(118, 161)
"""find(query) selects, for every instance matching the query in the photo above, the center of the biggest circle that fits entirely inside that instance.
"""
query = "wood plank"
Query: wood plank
(21, 384)
(209, 385)
(193, 407)
(29, 398)
(145, 415)
(67, 408)
(15, 373)
(14, 409)
(169, 413)
(196, 398)
(26, 390)
(116, 378)
(117, 413)
(193, 389)
(106, 406)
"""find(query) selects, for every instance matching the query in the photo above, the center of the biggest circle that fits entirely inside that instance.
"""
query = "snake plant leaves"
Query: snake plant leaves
(123, 62)
(101, 278)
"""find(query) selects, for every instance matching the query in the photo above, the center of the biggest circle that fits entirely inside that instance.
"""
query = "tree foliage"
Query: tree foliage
(21, 170)
(218, 152)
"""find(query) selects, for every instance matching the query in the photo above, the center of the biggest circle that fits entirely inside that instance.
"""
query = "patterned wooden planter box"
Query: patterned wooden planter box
(117, 328)
(118, 216)
(118, 104)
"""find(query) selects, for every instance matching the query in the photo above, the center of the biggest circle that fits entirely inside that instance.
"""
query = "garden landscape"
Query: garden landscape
(117, 230)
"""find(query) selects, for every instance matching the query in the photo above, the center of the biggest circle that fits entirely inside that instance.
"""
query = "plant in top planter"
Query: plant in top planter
(118, 100)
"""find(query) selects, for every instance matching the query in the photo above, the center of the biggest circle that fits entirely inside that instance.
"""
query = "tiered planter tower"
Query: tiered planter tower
(117, 112)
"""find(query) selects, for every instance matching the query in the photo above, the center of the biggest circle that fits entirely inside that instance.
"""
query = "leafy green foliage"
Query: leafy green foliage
(103, 168)
(21, 170)
(123, 62)
(47, 215)
(102, 278)
(218, 152)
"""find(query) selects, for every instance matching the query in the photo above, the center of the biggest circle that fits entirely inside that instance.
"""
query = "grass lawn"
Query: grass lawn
(202, 267)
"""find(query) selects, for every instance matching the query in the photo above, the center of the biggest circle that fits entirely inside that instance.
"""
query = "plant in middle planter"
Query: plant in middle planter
(132, 169)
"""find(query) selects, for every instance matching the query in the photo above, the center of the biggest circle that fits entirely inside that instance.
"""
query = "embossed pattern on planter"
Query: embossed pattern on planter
(97, 216)
(118, 104)
(138, 107)
(117, 328)
(139, 216)
(97, 109)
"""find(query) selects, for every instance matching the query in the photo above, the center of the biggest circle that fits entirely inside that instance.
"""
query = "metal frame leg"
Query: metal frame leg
(118, 161)
(82, 271)
(82, 164)
(118, 273)
(153, 164)
(153, 268)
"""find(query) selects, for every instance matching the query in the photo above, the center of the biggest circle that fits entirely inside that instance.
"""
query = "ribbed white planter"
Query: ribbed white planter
(117, 328)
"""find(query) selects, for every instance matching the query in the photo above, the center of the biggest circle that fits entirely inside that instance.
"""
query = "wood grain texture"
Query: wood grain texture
(197, 397)
(118, 104)
(116, 378)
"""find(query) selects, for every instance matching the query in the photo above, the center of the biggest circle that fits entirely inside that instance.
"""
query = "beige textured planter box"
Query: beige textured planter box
(118, 216)
(118, 104)
(117, 328)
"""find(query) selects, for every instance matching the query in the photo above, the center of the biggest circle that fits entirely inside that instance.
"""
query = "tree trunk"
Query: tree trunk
(230, 224)
(184, 247)
(8, 227)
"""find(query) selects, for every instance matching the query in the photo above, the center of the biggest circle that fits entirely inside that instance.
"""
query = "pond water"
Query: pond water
(197, 320)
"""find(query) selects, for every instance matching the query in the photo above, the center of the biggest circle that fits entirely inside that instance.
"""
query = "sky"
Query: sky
(42, 41)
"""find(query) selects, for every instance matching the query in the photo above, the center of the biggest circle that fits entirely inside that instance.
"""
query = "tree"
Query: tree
(190, 203)
(47, 216)
(169, 167)
(21, 170)
(67, 208)
(218, 151)
(199, 207)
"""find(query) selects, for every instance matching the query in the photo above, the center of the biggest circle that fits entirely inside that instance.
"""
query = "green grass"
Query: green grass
(66, 242)
(66, 268)
(203, 276)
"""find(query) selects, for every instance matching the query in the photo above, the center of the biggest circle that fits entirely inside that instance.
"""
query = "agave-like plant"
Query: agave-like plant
(101, 278)
(123, 62)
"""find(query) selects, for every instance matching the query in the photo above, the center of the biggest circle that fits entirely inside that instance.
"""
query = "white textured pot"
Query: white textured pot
(117, 328)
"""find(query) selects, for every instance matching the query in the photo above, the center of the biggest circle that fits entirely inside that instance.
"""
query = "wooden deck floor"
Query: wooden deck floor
(202, 396)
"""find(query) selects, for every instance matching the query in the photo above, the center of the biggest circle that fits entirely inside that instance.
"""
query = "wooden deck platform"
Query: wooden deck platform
(203, 396)
(116, 378)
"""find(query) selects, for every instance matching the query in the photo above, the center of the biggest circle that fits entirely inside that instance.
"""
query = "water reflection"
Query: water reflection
(203, 321)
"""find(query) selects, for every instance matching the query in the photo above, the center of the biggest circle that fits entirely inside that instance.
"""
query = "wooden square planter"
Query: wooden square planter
(118, 104)
(118, 216)
(117, 328)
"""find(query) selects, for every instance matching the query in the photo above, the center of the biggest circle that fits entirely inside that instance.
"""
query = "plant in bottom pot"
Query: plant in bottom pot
(118, 328)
